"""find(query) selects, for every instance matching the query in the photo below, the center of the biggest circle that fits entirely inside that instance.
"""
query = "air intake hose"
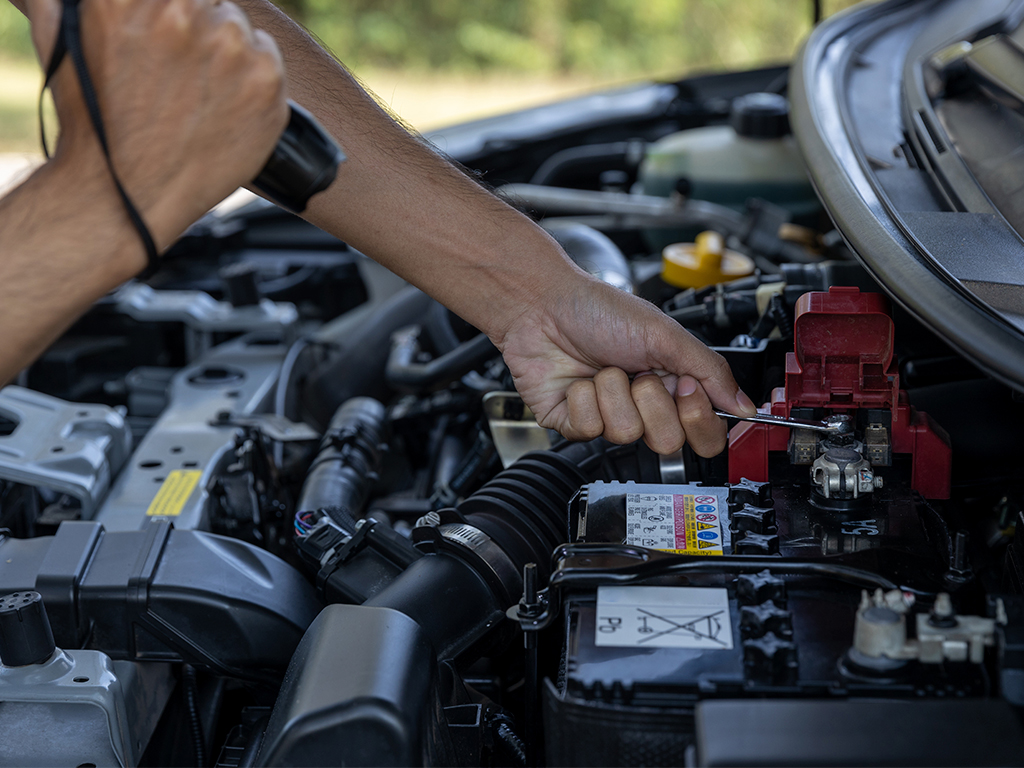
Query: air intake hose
(472, 571)
(342, 473)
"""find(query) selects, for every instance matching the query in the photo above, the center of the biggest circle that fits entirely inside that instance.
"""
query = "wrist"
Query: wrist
(84, 197)
(528, 283)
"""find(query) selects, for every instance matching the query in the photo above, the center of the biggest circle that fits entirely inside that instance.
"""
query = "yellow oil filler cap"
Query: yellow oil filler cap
(705, 262)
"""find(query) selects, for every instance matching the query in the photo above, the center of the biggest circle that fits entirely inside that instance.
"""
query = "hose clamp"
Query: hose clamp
(498, 567)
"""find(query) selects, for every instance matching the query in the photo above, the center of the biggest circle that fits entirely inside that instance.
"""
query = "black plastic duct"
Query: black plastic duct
(163, 594)
(589, 160)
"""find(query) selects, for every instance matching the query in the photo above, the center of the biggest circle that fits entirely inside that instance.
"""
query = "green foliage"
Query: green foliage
(588, 37)
(15, 42)
(603, 38)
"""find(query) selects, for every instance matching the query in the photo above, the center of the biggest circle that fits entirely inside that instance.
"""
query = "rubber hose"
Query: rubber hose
(402, 372)
(341, 475)
(359, 368)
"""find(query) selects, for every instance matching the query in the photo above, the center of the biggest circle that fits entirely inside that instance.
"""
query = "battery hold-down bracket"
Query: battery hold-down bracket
(843, 362)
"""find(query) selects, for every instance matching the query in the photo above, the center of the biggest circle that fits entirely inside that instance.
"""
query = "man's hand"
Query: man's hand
(572, 359)
(193, 103)
(192, 100)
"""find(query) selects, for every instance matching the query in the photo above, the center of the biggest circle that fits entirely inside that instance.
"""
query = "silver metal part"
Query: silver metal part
(202, 314)
(673, 470)
(514, 428)
(65, 447)
(626, 209)
(80, 708)
(842, 473)
(881, 631)
(803, 446)
(831, 425)
(877, 447)
(278, 428)
(237, 378)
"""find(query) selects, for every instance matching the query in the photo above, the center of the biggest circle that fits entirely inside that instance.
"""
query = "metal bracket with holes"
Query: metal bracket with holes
(65, 447)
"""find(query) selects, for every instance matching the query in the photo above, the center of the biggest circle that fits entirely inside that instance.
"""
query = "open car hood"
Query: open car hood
(876, 133)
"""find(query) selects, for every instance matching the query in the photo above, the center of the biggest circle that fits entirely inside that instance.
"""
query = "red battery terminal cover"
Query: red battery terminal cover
(843, 361)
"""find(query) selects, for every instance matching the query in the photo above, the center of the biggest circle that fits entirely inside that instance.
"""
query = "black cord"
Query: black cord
(69, 42)
(512, 743)
(682, 564)
(191, 689)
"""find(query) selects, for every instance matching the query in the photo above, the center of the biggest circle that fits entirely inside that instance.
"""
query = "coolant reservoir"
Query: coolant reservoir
(755, 155)
(704, 262)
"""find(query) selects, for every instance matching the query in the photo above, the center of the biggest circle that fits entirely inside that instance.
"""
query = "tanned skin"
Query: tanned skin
(590, 360)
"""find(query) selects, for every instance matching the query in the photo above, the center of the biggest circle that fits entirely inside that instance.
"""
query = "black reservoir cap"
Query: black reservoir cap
(760, 116)
(25, 635)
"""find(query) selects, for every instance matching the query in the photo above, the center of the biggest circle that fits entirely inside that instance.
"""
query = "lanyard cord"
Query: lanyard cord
(69, 42)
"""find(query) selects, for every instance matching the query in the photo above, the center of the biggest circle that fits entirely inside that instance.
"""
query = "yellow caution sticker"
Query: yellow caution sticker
(689, 520)
(175, 491)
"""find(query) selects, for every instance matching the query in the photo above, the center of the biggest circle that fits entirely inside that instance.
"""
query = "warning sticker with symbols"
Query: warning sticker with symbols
(663, 617)
(175, 491)
(690, 520)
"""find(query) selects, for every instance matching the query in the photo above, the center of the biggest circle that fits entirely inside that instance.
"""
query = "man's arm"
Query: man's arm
(193, 103)
(571, 342)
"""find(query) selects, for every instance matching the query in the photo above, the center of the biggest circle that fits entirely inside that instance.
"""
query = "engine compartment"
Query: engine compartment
(283, 509)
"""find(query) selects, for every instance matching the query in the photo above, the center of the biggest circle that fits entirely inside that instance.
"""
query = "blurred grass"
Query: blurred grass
(435, 62)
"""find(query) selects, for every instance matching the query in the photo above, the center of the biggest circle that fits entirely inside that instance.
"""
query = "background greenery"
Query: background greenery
(619, 38)
(487, 50)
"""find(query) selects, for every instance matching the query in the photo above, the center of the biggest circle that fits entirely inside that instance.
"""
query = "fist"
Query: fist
(191, 97)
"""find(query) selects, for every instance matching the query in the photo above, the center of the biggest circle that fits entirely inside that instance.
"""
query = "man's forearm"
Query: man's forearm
(62, 246)
(408, 208)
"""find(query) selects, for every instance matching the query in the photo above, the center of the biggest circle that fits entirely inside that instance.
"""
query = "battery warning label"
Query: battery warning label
(663, 617)
(688, 523)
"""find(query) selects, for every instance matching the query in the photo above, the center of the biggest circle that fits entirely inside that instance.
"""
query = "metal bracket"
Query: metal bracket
(65, 447)
(514, 428)
(278, 428)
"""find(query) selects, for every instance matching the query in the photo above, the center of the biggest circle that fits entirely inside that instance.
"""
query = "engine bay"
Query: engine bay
(276, 507)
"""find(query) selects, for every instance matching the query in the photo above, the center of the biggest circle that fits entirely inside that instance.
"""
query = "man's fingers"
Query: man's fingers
(663, 432)
(683, 353)
(622, 422)
(719, 385)
(705, 432)
(232, 17)
(585, 421)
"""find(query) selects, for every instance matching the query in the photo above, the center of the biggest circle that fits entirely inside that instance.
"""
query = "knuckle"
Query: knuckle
(624, 432)
(230, 37)
(665, 444)
(609, 376)
(720, 366)
(645, 388)
(633, 432)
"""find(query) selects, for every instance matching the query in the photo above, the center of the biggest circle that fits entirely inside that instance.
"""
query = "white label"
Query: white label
(686, 523)
(663, 617)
